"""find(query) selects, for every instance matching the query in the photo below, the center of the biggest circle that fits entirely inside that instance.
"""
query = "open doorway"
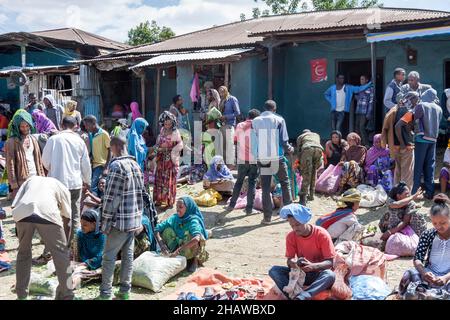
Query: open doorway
(447, 74)
(352, 70)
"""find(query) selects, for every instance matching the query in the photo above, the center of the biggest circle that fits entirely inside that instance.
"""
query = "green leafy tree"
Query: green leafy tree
(149, 32)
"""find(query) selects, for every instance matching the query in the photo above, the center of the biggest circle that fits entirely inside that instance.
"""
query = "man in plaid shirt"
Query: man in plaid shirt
(364, 111)
(123, 205)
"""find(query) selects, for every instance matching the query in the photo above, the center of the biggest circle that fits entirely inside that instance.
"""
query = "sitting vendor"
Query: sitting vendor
(90, 241)
(342, 224)
(432, 259)
(184, 233)
(307, 247)
(219, 177)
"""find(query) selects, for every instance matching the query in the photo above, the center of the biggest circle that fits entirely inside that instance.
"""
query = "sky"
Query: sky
(113, 18)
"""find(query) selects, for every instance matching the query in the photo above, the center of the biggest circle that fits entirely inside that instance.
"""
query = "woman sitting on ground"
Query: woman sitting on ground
(432, 258)
(90, 241)
(402, 216)
(184, 233)
(342, 224)
(378, 165)
(219, 176)
(352, 162)
(334, 148)
(444, 177)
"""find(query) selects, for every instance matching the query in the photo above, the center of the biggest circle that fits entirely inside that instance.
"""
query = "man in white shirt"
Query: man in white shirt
(66, 158)
(43, 204)
(393, 89)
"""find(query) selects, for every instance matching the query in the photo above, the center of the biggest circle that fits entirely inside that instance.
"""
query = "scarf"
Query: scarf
(136, 142)
(352, 195)
(216, 101)
(69, 104)
(91, 215)
(50, 98)
(43, 123)
(135, 113)
(213, 174)
(300, 213)
(374, 152)
(14, 125)
(166, 115)
(192, 213)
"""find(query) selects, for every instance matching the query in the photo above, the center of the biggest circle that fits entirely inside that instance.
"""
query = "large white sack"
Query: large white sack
(372, 197)
(152, 271)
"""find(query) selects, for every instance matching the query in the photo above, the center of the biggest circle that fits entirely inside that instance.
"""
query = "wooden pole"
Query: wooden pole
(270, 72)
(227, 75)
(374, 78)
(158, 86)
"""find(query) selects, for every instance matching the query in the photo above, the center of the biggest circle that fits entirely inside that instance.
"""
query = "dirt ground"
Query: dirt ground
(240, 246)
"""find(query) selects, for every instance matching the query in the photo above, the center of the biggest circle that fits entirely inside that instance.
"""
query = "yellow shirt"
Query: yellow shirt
(100, 149)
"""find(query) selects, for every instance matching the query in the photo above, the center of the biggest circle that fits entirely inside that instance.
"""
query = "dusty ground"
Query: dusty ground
(239, 246)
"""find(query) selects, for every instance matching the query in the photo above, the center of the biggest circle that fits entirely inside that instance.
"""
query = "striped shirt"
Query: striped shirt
(440, 257)
(123, 198)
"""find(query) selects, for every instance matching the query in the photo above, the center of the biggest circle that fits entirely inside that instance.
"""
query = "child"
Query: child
(90, 241)
(444, 177)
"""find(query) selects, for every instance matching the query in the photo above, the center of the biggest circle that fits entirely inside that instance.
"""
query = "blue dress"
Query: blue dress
(90, 248)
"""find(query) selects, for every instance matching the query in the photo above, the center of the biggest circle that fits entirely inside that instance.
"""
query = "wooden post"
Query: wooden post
(144, 113)
(270, 72)
(158, 86)
(227, 75)
(373, 58)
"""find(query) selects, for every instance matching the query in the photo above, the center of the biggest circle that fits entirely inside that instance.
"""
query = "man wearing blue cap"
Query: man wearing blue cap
(309, 248)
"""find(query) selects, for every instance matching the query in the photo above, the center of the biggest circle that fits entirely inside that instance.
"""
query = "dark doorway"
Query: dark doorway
(447, 75)
(352, 70)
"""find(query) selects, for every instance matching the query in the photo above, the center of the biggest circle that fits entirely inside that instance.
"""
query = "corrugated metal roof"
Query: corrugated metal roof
(190, 56)
(8, 70)
(249, 32)
(113, 58)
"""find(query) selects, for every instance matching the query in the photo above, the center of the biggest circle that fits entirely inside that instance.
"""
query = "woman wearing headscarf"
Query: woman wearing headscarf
(90, 241)
(352, 162)
(136, 143)
(334, 148)
(43, 124)
(134, 114)
(378, 165)
(71, 111)
(342, 224)
(184, 233)
(53, 111)
(219, 176)
(168, 148)
(23, 156)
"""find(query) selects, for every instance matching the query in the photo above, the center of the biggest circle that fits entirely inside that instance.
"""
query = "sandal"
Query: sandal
(42, 260)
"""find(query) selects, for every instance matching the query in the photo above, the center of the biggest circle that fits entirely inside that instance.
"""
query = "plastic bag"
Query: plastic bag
(402, 245)
(4, 190)
(368, 288)
(152, 271)
(208, 198)
(42, 286)
(372, 197)
(328, 182)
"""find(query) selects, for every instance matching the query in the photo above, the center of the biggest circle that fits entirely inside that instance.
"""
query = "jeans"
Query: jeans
(117, 241)
(316, 281)
(425, 163)
(278, 167)
(361, 128)
(244, 170)
(96, 174)
(337, 120)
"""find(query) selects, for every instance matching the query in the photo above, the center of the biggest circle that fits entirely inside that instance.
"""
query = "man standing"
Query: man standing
(179, 112)
(53, 111)
(247, 166)
(229, 106)
(364, 110)
(310, 157)
(272, 141)
(427, 115)
(393, 89)
(400, 140)
(121, 218)
(32, 103)
(309, 248)
(43, 204)
(100, 153)
(340, 97)
(414, 85)
(66, 158)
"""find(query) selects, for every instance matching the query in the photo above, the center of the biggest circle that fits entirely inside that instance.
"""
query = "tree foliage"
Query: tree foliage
(149, 32)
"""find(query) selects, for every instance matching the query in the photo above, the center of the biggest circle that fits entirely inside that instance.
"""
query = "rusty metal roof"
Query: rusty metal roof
(249, 32)
(81, 37)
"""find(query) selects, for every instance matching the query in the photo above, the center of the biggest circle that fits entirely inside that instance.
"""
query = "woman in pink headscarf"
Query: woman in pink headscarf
(377, 162)
(43, 123)
(135, 113)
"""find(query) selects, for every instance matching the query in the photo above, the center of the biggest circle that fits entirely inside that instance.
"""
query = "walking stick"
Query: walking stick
(291, 160)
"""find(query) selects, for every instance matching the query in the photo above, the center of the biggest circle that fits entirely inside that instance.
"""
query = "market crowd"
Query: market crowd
(93, 195)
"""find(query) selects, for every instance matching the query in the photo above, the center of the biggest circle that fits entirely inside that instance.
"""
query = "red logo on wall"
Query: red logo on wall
(318, 70)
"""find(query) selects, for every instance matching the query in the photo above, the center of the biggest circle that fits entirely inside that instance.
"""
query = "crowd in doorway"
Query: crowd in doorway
(93, 195)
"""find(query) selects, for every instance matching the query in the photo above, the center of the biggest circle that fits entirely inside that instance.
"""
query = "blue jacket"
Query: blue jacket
(330, 95)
